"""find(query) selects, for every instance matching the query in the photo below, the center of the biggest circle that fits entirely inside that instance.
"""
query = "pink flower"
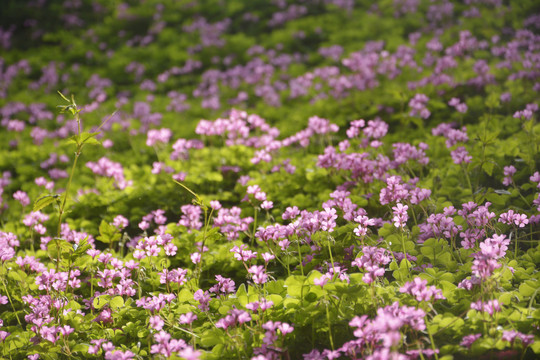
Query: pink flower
(511, 335)
(214, 204)
(187, 318)
(4, 335)
(65, 330)
(322, 280)
(267, 257)
(195, 257)
(267, 205)
(418, 106)
(400, 215)
(285, 328)
(460, 155)
(468, 340)
(420, 291)
(156, 322)
(189, 353)
(155, 136)
(22, 197)
(490, 306)
(120, 222)
(258, 275)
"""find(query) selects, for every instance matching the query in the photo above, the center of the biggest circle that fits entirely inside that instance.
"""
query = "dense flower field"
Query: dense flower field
(269, 179)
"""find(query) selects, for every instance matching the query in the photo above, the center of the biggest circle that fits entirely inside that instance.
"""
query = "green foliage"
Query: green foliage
(85, 271)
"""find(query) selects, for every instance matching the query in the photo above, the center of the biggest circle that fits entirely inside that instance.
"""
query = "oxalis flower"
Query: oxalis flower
(371, 260)
(400, 215)
(420, 291)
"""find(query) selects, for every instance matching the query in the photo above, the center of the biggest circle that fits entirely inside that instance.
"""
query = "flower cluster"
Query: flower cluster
(154, 136)
(420, 291)
(371, 261)
(418, 106)
(490, 306)
(485, 260)
(375, 339)
(108, 168)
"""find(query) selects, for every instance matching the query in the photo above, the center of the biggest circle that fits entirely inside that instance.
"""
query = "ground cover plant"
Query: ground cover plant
(322, 179)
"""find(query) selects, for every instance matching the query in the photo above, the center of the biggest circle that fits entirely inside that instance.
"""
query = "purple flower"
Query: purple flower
(490, 306)
(4, 335)
(258, 274)
(187, 318)
(22, 197)
(189, 353)
(468, 340)
(224, 285)
(512, 335)
(120, 222)
(460, 155)
(418, 106)
(420, 291)
(156, 322)
(371, 260)
(400, 215)
(322, 280)
(394, 191)
(242, 254)
(158, 136)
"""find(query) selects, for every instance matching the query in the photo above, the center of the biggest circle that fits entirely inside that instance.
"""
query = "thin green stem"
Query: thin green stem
(403, 243)
(329, 327)
(64, 201)
(468, 180)
(331, 258)
(433, 347)
(9, 296)
(515, 243)
(206, 224)
(521, 195)
(300, 256)
(255, 212)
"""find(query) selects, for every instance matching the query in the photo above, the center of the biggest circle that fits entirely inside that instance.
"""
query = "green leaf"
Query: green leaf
(142, 333)
(73, 140)
(211, 338)
(427, 251)
(506, 298)
(108, 233)
(63, 97)
(386, 230)
(14, 275)
(446, 276)
(73, 305)
(311, 297)
(276, 299)
(100, 301)
(185, 295)
(493, 101)
(291, 303)
(536, 347)
(89, 138)
(314, 274)
(81, 248)
(294, 284)
(116, 302)
(527, 288)
(45, 201)
(488, 168)
(80, 348)
(447, 357)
